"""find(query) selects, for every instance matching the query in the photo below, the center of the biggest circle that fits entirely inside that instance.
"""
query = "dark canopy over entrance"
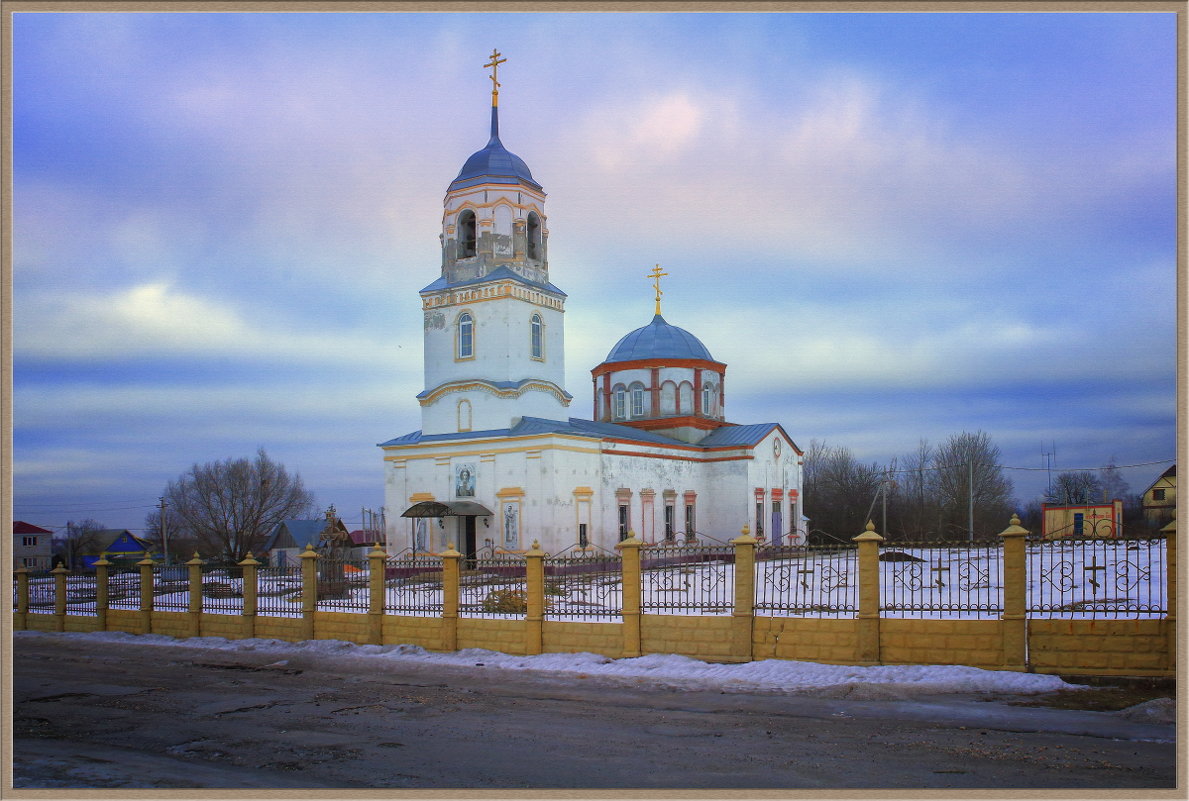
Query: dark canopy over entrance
(467, 510)
(439, 509)
(426, 509)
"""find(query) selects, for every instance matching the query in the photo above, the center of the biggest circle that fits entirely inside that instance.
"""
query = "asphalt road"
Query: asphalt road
(95, 715)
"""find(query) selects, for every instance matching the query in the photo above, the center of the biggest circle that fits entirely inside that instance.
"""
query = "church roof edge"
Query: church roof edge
(501, 273)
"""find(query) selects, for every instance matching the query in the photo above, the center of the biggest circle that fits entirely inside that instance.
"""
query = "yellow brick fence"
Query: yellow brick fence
(1012, 641)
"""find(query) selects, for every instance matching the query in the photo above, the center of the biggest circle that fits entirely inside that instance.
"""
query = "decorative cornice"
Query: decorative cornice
(644, 364)
(531, 385)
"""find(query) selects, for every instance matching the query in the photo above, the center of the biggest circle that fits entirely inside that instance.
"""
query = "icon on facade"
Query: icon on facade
(464, 481)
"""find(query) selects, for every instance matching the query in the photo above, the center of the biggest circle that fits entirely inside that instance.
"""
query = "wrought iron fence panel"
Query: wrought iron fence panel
(820, 581)
(688, 579)
(413, 584)
(1091, 577)
(941, 579)
(581, 585)
(342, 585)
(494, 586)
(82, 593)
(171, 588)
(222, 589)
(279, 591)
(42, 593)
(123, 588)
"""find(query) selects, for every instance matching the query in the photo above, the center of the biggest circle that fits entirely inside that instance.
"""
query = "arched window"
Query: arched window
(464, 415)
(620, 411)
(638, 407)
(536, 337)
(466, 234)
(707, 400)
(534, 235)
(466, 336)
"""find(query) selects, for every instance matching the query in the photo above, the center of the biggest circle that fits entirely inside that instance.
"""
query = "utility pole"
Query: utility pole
(970, 505)
(164, 535)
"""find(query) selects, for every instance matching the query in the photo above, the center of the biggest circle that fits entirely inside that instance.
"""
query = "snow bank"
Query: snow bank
(767, 675)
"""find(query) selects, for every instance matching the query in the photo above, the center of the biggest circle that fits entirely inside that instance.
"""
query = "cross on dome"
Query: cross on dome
(656, 276)
(495, 84)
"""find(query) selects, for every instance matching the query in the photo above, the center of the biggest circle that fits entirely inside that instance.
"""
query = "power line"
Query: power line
(1008, 467)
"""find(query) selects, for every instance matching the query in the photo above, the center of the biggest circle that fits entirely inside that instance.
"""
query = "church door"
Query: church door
(777, 523)
(469, 542)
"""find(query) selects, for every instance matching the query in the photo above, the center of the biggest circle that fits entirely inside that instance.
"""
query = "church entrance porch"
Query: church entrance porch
(466, 512)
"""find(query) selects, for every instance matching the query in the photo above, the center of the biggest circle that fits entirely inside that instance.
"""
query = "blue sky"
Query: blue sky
(890, 226)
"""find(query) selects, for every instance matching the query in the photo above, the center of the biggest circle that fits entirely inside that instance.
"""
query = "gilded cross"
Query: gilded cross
(495, 65)
(656, 276)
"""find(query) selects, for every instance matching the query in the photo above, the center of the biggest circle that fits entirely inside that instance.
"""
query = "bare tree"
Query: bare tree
(971, 487)
(80, 539)
(839, 491)
(1075, 488)
(181, 542)
(913, 504)
(1114, 486)
(233, 505)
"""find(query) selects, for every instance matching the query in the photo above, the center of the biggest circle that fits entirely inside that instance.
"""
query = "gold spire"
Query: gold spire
(656, 276)
(495, 84)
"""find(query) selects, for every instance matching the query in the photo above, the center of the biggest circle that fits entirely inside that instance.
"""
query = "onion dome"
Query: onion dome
(658, 340)
(494, 164)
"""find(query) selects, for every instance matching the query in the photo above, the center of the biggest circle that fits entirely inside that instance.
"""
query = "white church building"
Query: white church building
(500, 462)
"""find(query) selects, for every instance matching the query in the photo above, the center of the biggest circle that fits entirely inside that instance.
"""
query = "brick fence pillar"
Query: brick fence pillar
(1170, 545)
(59, 574)
(194, 607)
(450, 592)
(630, 548)
(146, 594)
(1015, 584)
(102, 567)
(250, 589)
(309, 590)
(22, 611)
(743, 615)
(867, 647)
(376, 559)
(534, 617)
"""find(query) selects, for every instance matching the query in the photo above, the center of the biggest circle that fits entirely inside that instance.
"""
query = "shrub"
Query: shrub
(506, 601)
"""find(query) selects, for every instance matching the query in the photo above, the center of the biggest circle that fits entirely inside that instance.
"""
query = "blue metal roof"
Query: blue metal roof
(749, 435)
(498, 274)
(658, 340)
(727, 436)
(494, 164)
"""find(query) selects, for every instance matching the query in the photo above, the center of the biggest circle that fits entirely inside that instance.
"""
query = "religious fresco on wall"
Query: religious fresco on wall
(511, 524)
(420, 537)
(464, 481)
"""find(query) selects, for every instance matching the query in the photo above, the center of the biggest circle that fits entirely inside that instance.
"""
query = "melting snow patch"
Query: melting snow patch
(770, 674)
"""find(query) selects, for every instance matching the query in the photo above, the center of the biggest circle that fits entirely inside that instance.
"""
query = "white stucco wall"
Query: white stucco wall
(547, 470)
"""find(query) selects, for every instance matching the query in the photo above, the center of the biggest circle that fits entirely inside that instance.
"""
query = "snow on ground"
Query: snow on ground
(771, 675)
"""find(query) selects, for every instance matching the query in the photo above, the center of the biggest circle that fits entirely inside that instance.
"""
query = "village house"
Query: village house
(31, 546)
(1160, 499)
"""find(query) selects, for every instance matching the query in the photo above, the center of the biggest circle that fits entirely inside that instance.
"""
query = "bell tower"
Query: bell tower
(493, 321)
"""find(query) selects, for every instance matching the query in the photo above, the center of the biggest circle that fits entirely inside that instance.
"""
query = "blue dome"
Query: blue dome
(658, 340)
(494, 164)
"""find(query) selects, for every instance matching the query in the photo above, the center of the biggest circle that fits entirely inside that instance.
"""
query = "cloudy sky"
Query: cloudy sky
(889, 226)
